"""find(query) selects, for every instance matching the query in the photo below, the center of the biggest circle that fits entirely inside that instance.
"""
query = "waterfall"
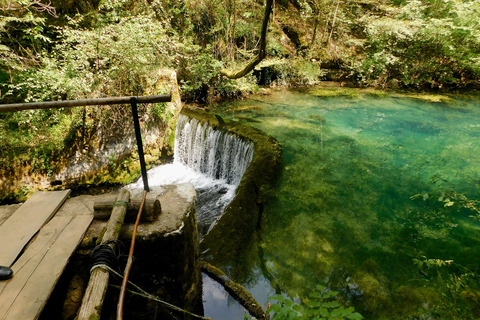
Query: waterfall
(212, 160)
(219, 155)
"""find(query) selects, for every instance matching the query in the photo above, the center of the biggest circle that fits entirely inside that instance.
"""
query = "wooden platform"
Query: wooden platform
(37, 241)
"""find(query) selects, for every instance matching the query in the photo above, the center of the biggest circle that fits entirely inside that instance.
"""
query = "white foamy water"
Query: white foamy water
(212, 160)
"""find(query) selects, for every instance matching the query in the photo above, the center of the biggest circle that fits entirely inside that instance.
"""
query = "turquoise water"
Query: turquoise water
(344, 215)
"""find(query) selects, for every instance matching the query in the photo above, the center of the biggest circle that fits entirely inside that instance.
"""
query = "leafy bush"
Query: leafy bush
(426, 43)
(321, 305)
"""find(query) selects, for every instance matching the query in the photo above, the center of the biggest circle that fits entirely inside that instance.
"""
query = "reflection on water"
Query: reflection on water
(343, 215)
(218, 300)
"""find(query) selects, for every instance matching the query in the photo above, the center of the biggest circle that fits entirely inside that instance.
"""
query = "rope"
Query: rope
(106, 254)
(165, 304)
(144, 294)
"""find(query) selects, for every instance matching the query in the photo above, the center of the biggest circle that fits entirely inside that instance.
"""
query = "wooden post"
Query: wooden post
(97, 286)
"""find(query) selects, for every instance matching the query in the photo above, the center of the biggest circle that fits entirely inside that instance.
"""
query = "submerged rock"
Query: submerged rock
(369, 290)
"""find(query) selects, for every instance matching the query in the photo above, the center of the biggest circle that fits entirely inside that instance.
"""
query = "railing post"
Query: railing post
(138, 136)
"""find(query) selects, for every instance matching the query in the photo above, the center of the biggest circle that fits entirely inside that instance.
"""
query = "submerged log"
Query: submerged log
(152, 208)
(97, 286)
(237, 291)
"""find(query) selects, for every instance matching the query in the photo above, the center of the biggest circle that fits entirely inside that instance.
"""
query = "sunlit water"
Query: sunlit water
(343, 215)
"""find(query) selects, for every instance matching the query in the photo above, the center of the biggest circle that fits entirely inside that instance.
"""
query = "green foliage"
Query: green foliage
(320, 305)
(458, 285)
(23, 36)
(33, 137)
(424, 43)
(450, 200)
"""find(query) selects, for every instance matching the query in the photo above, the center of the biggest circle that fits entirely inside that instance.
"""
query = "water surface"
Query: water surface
(344, 217)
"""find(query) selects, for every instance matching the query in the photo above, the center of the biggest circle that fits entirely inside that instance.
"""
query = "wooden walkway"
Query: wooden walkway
(37, 242)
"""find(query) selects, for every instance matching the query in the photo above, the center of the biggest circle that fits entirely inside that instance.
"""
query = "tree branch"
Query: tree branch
(235, 74)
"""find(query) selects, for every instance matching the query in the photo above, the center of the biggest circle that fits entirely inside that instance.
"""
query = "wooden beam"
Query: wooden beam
(152, 208)
(97, 286)
(17, 230)
(83, 102)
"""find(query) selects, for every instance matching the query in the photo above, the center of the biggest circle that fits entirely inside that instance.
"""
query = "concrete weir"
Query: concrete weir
(166, 258)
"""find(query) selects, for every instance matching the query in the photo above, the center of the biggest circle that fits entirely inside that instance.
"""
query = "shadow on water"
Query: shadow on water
(343, 216)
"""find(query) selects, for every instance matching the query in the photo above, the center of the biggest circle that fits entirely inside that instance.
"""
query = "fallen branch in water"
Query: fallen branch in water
(235, 290)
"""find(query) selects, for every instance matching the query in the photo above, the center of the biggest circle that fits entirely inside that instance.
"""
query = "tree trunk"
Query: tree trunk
(235, 74)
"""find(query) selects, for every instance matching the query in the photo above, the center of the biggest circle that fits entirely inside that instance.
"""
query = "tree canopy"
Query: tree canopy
(96, 48)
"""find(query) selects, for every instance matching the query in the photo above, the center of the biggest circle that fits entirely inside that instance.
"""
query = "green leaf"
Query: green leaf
(331, 304)
(316, 295)
(323, 312)
(449, 203)
(337, 312)
(292, 315)
(314, 304)
(282, 313)
(297, 308)
(277, 297)
(330, 294)
(320, 288)
(347, 311)
(356, 316)
(288, 303)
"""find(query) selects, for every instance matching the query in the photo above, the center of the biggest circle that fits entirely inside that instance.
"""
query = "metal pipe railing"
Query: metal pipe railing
(83, 102)
(133, 101)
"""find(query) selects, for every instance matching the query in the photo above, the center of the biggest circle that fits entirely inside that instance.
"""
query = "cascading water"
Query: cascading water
(212, 160)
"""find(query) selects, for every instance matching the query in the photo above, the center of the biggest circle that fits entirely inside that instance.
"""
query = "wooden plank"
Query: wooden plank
(7, 211)
(26, 221)
(92, 302)
(39, 268)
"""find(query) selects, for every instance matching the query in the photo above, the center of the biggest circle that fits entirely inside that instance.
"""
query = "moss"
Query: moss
(334, 92)
(100, 236)
(374, 294)
(17, 195)
(338, 91)
(125, 170)
(88, 243)
(119, 225)
(427, 97)
(472, 299)
(95, 316)
(317, 117)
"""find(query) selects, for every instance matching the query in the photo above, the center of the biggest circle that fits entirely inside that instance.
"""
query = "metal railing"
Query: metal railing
(133, 101)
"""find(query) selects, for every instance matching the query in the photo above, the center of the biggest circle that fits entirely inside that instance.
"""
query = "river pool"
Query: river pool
(374, 202)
